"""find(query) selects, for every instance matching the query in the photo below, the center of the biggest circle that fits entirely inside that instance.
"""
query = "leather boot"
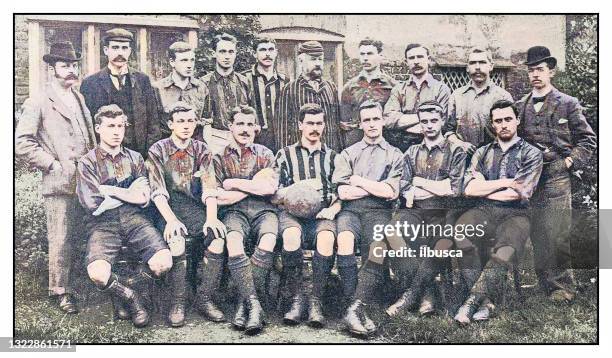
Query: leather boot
(133, 301)
(427, 306)
(294, 315)
(353, 321)
(211, 277)
(406, 302)
(240, 318)
(485, 311)
(315, 313)
(466, 311)
(67, 303)
(256, 316)
(119, 310)
(178, 286)
(208, 309)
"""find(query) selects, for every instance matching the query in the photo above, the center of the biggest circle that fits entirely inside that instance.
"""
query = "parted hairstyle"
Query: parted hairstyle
(223, 37)
(109, 111)
(178, 47)
(310, 108)
(263, 40)
(481, 50)
(371, 42)
(432, 107)
(411, 46)
(177, 107)
(501, 104)
(244, 109)
(367, 104)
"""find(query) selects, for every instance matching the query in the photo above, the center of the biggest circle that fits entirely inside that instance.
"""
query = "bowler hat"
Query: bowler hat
(539, 54)
(118, 34)
(61, 51)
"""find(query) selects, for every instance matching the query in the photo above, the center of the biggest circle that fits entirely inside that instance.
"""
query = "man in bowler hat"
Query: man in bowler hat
(54, 130)
(553, 122)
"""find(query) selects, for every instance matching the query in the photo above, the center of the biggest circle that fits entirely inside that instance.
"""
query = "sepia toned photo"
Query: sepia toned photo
(306, 178)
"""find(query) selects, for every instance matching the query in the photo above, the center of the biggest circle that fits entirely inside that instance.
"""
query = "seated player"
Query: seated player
(245, 177)
(432, 180)
(309, 206)
(503, 176)
(178, 168)
(369, 183)
(112, 185)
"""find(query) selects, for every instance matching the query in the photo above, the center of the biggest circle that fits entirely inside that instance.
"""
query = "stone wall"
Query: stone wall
(21, 61)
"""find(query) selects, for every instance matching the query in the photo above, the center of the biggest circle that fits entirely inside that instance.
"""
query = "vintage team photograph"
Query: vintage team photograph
(306, 178)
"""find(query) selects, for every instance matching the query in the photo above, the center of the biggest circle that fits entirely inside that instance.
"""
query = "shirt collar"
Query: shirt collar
(485, 88)
(442, 145)
(104, 154)
(233, 146)
(362, 144)
(173, 148)
(376, 74)
(304, 81)
(256, 72)
(123, 71)
(219, 77)
(169, 81)
(323, 147)
(427, 80)
(518, 143)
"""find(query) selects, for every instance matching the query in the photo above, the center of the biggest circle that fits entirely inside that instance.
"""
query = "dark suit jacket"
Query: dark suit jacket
(146, 105)
(564, 121)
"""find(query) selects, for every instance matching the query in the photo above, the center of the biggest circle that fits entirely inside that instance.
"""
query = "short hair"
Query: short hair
(263, 40)
(371, 42)
(244, 109)
(501, 104)
(481, 50)
(224, 37)
(310, 108)
(109, 111)
(432, 107)
(411, 46)
(178, 47)
(176, 107)
(369, 104)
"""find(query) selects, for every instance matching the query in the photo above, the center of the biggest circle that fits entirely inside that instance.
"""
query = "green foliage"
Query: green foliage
(580, 79)
(243, 27)
(30, 224)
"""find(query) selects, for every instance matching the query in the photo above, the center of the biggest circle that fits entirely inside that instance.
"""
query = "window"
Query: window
(159, 41)
(134, 59)
(61, 33)
(456, 77)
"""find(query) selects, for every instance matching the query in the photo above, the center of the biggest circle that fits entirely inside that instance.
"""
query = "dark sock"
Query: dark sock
(347, 268)
(240, 268)
(321, 268)
(261, 263)
(211, 273)
(370, 275)
(492, 280)
(176, 279)
(292, 267)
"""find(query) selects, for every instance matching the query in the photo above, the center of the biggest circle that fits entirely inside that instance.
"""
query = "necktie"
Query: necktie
(120, 80)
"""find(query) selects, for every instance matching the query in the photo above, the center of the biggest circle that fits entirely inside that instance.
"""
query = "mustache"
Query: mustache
(71, 77)
(119, 58)
(315, 132)
(244, 134)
